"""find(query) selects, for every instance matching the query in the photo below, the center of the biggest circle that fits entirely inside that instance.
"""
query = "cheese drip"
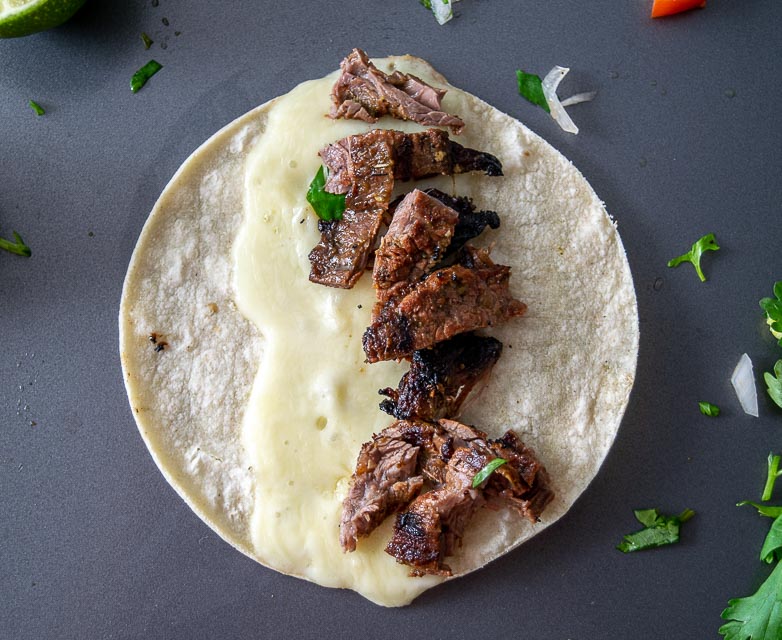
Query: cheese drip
(314, 400)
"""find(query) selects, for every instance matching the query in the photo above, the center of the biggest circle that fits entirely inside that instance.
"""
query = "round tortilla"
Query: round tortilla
(190, 357)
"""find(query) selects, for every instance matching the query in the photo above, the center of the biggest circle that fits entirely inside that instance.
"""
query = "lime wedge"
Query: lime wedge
(23, 17)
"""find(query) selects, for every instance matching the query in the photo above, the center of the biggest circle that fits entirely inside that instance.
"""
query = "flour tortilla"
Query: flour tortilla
(562, 382)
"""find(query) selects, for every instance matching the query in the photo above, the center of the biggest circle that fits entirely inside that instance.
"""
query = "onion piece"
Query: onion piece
(443, 10)
(578, 98)
(550, 84)
(743, 381)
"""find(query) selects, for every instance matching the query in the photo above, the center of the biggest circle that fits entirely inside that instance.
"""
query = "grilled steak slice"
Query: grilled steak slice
(364, 168)
(441, 378)
(469, 295)
(417, 237)
(471, 222)
(385, 481)
(364, 92)
(433, 525)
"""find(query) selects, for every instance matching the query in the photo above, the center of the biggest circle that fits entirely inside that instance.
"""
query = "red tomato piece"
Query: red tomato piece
(662, 8)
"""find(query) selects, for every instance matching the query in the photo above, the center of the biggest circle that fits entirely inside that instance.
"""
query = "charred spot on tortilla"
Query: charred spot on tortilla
(363, 92)
(156, 339)
(364, 167)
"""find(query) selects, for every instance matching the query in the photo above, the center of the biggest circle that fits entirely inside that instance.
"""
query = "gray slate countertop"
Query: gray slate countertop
(683, 139)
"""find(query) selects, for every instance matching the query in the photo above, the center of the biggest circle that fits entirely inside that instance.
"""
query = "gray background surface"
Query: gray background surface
(683, 139)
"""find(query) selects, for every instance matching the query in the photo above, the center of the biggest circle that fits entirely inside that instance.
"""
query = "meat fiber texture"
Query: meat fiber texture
(562, 383)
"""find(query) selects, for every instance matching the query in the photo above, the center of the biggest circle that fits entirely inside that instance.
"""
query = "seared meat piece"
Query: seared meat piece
(418, 235)
(365, 93)
(364, 168)
(441, 378)
(469, 295)
(339, 258)
(433, 526)
(471, 222)
(384, 482)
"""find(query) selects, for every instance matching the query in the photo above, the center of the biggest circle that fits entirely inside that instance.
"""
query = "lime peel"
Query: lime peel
(24, 17)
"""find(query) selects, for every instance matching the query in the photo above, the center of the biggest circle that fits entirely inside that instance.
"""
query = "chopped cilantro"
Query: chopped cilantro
(141, 76)
(709, 409)
(773, 309)
(531, 88)
(772, 547)
(18, 247)
(706, 243)
(37, 108)
(328, 206)
(771, 476)
(763, 509)
(484, 473)
(759, 616)
(427, 4)
(146, 40)
(659, 530)
(774, 383)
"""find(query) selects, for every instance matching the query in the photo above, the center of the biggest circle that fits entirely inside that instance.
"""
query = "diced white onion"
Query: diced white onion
(579, 97)
(550, 84)
(443, 10)
(743, 381)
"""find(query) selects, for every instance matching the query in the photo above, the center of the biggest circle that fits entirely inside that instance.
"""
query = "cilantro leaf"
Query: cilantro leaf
(771, 476)
(148, 42)
(39, 111)
(709, 409)
(706, 243)
(427, 4)
(772, 547)
(328, 206)
(18, 247)
(531, 88)
(484, 473)
(141, 76)
(773, 309)
(660, 530)
(774, 384)
(763, 509)
(759, 616)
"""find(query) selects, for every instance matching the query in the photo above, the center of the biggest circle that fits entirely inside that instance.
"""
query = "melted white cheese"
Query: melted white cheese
(314, 400)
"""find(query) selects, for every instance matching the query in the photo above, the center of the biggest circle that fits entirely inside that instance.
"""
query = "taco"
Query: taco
(249, 383)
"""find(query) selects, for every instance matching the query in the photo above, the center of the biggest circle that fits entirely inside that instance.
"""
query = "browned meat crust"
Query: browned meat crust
(365, 93)
(441, 378)
(471, 222)
(364, 168)
(470, 295)
(384, 482)
(390, 472)
(419, 234)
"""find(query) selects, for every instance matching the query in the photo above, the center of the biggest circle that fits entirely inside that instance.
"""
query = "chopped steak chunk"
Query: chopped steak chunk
(471, 222)
(364, 168)
(469, 295)
(441, 378)
(390, 473)
(384, 482)
(433, 525)
(363, 92)
(418, 236)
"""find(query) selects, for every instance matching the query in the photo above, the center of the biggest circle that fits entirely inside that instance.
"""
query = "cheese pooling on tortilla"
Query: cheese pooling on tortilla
(256, 415)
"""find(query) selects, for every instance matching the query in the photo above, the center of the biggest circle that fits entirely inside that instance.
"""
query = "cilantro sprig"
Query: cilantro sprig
(706, 243)
(658, 530)
(18, 246)
(531, 88)
(328, 206)
(759, 616)
(773, 309)
(774, 383)
(484, 473)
